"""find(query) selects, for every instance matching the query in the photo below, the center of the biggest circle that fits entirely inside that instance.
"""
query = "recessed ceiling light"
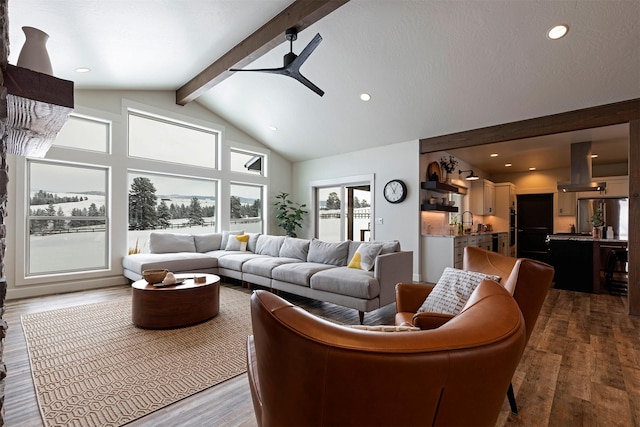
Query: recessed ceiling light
(508, 165)
(593, 156)
(273, 128)
(365, 97)
(557, 32)
(82, 70)
(493, 155)
(532, 169)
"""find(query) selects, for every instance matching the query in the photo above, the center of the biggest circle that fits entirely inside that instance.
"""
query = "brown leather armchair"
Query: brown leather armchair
(526, 279)
(306, 371)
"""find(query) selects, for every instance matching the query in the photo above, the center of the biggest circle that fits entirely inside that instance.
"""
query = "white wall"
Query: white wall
(110, 105)
(396, 161)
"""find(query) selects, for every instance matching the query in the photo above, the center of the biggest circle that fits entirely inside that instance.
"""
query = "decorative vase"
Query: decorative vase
(34, 55)
(596, 233)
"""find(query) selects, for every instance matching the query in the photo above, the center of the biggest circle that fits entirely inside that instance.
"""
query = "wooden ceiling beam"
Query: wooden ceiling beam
(299, 15)
(587, 118)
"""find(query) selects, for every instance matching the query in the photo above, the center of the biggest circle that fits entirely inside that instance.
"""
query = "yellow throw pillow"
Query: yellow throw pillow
(365, 256)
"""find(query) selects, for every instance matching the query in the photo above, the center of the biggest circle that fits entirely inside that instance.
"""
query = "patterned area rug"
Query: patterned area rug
(91, 366)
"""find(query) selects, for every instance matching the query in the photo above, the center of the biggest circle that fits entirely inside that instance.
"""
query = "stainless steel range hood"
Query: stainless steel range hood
(581, 170)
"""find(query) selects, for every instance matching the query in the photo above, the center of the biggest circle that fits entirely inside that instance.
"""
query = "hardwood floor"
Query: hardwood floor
(581, 367)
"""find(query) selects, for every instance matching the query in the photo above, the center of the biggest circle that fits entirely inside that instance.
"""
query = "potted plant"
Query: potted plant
(448, 166)
(597, 222)
(289, 215)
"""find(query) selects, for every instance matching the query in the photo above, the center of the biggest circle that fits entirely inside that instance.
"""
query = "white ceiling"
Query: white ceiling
(431, 67)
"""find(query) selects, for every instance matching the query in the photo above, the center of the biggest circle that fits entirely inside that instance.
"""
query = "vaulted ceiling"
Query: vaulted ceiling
(431, 67)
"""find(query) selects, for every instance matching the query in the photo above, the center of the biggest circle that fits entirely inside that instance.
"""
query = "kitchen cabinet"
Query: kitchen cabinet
(617, 187)
(505, 199)
(567, 203)
(503, 244)
(483, 197)
(439, 252)
(440, 188)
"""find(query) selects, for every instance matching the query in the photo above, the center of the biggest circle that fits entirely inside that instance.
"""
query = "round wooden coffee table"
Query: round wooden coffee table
(175, 306)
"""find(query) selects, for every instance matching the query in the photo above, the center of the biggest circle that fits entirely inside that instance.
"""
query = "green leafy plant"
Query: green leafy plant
(596, 218)
(289, 214)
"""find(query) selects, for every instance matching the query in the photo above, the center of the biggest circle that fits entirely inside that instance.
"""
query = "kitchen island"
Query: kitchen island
(580, 261)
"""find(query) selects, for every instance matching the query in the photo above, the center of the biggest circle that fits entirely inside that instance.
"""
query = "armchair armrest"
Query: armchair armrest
(410, 296)
(426, 320)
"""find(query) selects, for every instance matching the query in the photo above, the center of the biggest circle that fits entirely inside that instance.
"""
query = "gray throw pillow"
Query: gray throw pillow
(253, 242)
(453, 290)
(328, 253)
(295, 248)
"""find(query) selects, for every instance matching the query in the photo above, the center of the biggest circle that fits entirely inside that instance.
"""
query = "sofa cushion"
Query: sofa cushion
(253, 241)
(207, 242)
(347, 281)
(453, 290)
(160, 243)
(264, 265)
(333, 253)
(388, 246)
(225, 237)
(298, 273)
(175, 262)
(237, 243)
(365, 256)
(269, 245)
(234, 261)
(295, 248)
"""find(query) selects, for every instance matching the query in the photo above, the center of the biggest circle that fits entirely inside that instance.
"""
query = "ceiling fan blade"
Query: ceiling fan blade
(313, 44)
(305, 81)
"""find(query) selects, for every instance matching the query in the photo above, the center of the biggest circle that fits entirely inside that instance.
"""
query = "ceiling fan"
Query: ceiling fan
(293, 62)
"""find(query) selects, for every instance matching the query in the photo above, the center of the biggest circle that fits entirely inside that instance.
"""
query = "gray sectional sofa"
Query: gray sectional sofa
(309, 268)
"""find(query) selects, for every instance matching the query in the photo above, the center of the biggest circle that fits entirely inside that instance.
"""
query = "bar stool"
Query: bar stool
(616, 275)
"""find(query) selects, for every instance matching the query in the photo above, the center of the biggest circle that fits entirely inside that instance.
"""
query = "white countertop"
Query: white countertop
(582, 238)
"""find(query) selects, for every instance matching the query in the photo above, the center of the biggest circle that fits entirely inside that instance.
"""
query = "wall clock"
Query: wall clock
(395, 191)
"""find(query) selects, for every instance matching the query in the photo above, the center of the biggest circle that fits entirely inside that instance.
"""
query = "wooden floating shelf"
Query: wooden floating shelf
(440, 187)
(443, 208)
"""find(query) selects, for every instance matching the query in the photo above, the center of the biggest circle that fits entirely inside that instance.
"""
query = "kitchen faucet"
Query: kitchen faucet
(467, 222)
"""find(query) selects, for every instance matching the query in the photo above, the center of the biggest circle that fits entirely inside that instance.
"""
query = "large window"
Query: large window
(169, 203)
(67, 218)
(246, 208)
(247, 162)
(85, 133)
(156, 138)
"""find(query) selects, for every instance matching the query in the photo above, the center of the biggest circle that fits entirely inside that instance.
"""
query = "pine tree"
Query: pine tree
(142, 204)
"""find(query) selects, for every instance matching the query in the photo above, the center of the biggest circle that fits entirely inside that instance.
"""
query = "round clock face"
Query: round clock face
(395, 191)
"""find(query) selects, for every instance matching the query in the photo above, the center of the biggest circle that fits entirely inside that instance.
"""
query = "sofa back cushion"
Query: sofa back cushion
(160, 243)
(295, 248)
(388, 246)
(253, 242)
(331, 253)
(269, 245)
(207, 242)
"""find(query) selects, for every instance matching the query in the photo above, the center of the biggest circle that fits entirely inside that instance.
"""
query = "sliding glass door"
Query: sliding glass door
(343, 212)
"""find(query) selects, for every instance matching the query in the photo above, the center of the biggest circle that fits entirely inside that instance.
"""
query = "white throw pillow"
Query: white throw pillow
(237, 243)
(225, 237)
(453, 290)
(365, 256)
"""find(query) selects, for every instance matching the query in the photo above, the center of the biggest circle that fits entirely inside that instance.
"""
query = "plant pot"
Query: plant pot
(596, 233)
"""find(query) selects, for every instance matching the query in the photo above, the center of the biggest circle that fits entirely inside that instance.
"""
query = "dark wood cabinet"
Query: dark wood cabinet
(572, 261)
